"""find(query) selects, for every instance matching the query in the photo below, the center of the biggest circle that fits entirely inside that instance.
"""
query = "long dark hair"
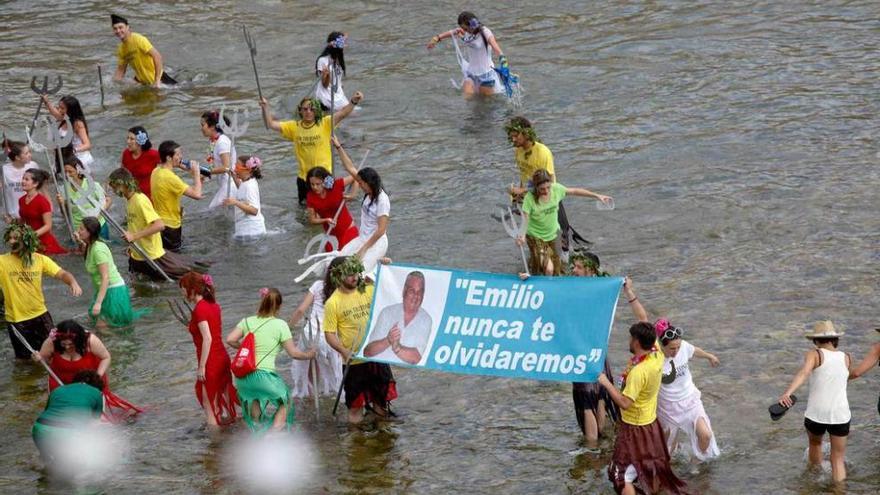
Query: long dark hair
(74, 111)
(135, 130)
(329, 286)
(16, 148)
(93, 227)
(371, 177)
(80, 336)
(466, 18)
(336, 54)
(212, 118)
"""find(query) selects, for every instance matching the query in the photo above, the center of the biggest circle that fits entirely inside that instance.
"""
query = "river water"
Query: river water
(738, 139)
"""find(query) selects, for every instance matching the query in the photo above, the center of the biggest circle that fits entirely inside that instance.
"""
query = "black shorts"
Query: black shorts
(172, 239)
(819, 429)
(302, 188)
(369, 383)
(35, 331)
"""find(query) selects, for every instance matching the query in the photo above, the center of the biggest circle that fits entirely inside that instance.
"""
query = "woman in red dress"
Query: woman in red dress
(36, 210)
(139, 157)
(71, 349)
(325, 197)
(214, 388)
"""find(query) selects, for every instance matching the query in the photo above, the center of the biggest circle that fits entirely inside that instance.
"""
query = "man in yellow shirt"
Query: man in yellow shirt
(137, 51)
(144, 228)
(21, 278)
(532, 155)
(346, 314)
(640, 454)
(167, 189)
(310, 136)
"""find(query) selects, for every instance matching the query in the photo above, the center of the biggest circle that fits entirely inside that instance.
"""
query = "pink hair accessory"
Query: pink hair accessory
(253, 162)
(661, 326)
(209, 281)
(264, 292)
(53, 333)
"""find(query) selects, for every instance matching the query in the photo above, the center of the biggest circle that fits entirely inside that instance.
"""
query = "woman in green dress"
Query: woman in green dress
(70, 408)
(263, 389)
(111, 304)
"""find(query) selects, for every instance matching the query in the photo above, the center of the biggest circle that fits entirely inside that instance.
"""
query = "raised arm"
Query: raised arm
(442, 36)
(267, 115)
(633, 300)
(195, 191)
(344, 158)
(344, 112)
(300, 310)
(52, 109)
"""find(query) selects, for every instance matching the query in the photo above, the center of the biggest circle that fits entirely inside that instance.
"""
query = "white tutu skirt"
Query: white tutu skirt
(682, 416)
(371, 257)
(329, 368)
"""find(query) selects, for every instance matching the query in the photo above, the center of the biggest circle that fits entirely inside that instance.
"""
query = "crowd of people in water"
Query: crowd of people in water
(653, 409)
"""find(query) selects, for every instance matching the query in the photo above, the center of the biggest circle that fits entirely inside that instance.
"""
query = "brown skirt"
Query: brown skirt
(539, 253)
(644, 448)
(174, 264)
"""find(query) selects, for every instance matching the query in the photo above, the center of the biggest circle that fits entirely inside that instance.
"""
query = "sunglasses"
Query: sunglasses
(671, 333)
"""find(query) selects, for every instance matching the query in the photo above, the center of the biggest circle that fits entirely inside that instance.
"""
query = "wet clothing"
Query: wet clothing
(68, 409)
(34, 330)
(328, 362)
(116, 307)
(249, 225)
(217, 391)
(116, 408)
(311, 144)
(642, 449)
(135, 53)
(220, 146)
(586, 396)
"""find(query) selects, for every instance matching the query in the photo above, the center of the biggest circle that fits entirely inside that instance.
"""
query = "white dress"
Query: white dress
(323, 94)
(370, 213)
(224, 183)
(249, 225)
(329, 362)
(85, 157)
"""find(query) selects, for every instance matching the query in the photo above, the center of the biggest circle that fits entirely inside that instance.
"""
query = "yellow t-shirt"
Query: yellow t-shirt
(135, 53)
(643, 386)
(166, 189)
(311, 145)
(538, 157)
(23, 286)
(140, 215)
(347, 315)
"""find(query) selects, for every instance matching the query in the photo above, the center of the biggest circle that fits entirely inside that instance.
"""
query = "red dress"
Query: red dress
(115, 408)
(31, 213)
(326, 207)
(141, 167)
(218, 376)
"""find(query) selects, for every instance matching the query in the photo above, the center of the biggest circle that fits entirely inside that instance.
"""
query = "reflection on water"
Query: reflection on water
(738, 140)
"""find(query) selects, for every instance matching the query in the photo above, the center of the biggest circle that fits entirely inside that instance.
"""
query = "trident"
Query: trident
(252, 48)
(56, 141)
(233, 130)
(44, 91)
(514, 230)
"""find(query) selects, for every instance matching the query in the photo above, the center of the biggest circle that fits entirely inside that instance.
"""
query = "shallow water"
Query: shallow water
(738, 139)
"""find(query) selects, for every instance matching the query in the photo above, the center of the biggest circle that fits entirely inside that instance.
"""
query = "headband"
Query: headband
(351, 266)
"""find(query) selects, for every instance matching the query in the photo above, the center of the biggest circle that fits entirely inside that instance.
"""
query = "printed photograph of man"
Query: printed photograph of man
(403, 330)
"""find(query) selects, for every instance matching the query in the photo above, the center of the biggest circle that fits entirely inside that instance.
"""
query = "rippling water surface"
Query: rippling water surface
(738, 139)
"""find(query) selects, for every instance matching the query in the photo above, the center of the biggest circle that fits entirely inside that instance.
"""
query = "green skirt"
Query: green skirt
(116, 308)
(264, 388)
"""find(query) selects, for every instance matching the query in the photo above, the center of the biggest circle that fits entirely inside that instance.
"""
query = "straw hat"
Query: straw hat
(824, 329)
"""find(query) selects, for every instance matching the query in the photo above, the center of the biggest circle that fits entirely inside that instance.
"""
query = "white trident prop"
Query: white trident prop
(514, 230)
(233, 130)
(56, 141)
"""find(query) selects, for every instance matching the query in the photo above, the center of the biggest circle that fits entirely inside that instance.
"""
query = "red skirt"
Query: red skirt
(221, 395)
(369, 383)
(644, 448)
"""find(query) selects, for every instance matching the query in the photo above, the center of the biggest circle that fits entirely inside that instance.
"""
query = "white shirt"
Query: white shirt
(12, 185)
(477, 53)
(415, 334)
(323, 94)
(223, 145)
(371, 210)
(683, 385)
(828, 403)
(249, 225)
